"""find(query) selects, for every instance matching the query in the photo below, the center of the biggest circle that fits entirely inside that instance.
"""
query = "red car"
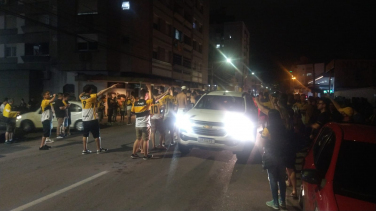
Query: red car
(339, 171)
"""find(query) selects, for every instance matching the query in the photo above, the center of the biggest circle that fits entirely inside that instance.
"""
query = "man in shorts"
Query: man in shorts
(89, 118)
(142, 110)
(170, 107)
(10, 118)
(157, 124)
(46, 119)
(60, 112)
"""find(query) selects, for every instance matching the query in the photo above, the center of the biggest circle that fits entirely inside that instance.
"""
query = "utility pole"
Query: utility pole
(314, 80)
(212, 76)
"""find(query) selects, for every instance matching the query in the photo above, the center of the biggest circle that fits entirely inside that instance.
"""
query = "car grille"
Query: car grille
(218, 124)
(209, 132)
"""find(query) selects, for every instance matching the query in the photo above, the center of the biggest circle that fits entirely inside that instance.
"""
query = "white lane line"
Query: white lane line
(23, 207)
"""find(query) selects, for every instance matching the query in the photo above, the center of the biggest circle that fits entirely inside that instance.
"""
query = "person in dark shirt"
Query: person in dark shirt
(323, 118)
(60, 112)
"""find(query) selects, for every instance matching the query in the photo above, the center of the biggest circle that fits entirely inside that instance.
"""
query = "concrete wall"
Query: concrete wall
(14, 84)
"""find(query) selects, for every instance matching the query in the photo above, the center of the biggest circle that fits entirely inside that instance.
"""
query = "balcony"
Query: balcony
(8, 31)
(32, 28)
(36, 58)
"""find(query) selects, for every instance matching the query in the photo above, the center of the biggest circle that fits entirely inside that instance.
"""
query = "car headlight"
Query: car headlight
(239, 127)
(18, 117)
(183, 122)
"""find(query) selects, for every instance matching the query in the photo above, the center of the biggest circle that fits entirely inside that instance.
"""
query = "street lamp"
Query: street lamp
(253, 73)
(228, 60)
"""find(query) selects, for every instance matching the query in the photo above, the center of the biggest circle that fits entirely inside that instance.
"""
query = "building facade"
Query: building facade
(229, 56)
(65, 45)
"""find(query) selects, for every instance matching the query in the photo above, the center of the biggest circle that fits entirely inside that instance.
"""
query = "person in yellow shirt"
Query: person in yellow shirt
(142, 110)
(10, 119)
(46, 107)
(89, 118)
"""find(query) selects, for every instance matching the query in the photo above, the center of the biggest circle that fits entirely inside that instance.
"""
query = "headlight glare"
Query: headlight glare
(239, 127)
(183, 123)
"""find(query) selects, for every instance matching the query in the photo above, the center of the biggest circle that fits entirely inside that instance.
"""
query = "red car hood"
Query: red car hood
(346, 203)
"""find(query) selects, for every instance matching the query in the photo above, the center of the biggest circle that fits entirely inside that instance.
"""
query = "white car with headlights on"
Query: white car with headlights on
(32, 120)
(219, 120)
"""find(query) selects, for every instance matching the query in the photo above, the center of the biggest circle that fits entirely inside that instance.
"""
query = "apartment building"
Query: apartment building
(66, 45)
(230, 40)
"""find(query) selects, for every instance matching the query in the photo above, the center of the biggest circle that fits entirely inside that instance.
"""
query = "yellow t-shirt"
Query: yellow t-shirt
(46, 107)
(89, 104)
(142, 110)
(8, 113)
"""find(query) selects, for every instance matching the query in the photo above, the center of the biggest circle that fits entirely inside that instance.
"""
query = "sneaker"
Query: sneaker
(49, 140)
(8, 142)
(282, 205)
(147, 157)
(45, 147)
(272, 205)
(60, 137)
(134, 156)
(101, 150)
(85, 152)
(164, 145)
(129, 124)
(172, 143)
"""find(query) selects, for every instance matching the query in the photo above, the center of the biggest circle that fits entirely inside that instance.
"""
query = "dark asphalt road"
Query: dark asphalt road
(64, 179)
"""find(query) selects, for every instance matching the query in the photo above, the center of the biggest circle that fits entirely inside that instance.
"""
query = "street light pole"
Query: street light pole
(212, 76)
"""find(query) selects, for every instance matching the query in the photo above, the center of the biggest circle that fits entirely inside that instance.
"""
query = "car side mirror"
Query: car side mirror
(311, 176)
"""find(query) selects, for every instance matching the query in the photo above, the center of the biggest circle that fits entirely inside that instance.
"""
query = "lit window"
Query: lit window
(125, 5)
(230, 36)
(218, 46)
(194, 25)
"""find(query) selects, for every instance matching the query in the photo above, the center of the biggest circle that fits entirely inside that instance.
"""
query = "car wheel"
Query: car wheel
(184, 149)
(243, 156)
(79, 125)
(27, 126)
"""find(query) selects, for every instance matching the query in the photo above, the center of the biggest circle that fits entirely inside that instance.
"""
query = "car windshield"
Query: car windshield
(226, 103)
(354, 175)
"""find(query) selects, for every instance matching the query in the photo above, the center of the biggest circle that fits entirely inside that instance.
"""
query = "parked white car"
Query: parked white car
(32, 120)
(220, 120)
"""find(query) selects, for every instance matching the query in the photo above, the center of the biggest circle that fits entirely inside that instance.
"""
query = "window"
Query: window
(352, 173)
(178, 35)
(194, 25)
(187, 40)
(75, 108)
(200, 28)
(161, 54)
(37, 49)
(10, 51)
(87, 7)
(187, 63)
(125, 5)
(200, 48)
(225, 103)
(168, 29)
(10, 22)
(177, 59)
(87, 42)
(323, 150)
(155, 54)
(156, 22)
(195, 45)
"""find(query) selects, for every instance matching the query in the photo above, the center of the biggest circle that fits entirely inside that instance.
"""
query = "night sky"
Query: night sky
(283, 33)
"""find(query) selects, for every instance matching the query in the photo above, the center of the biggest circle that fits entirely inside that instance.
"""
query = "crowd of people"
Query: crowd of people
(153, 113)
(291, 123)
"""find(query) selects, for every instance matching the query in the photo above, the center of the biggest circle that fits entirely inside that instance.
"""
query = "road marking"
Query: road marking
(23, 207)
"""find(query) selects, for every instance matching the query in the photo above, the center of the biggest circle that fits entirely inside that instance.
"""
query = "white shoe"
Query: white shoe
(48, 140)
